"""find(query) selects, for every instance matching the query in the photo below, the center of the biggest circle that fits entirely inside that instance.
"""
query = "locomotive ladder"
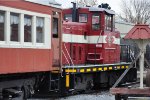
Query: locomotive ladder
(54, 82)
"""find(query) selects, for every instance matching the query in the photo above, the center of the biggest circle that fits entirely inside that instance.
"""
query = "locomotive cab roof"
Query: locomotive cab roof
(95, 9)
(101, 9)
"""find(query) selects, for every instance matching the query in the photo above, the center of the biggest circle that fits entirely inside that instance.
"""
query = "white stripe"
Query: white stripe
(72, 38)
(110, 48)
(94, 39)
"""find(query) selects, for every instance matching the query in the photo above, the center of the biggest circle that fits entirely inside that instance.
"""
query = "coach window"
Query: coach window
(95, 21)
(40, 30)
(55, 27)
(27, 28)
(14, 25)
(83, 18)
(68, 17)
(2, 20)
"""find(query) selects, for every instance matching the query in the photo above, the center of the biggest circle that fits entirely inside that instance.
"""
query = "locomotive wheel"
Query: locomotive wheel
(148, 78)
(89, 85)
(25, 92)
(22, 96)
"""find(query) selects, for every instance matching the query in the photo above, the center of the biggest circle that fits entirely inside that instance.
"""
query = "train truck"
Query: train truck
(44, 49)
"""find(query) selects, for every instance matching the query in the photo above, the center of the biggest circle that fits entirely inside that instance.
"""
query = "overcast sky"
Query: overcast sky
(115, 4)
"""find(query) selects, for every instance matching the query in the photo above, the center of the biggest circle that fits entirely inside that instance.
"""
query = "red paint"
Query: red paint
(24, 5)
(24, 60)
(21, 60)
(77, 55)
(139, 32)
(107, 52)
(106, 56)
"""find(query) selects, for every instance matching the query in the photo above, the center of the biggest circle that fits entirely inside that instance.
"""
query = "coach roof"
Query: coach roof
(51, 3)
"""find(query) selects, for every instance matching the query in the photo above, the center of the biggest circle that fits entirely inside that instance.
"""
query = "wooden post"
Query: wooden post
(141, 69)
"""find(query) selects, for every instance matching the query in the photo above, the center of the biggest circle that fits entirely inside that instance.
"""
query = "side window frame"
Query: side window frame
(43, 27)
(14, 29)
(85, 15)
(96, 25)
(109, 21)
(2, 20)
(113, 22)
(28, 25)
(66, 16)
(13, 20)
(55, 27)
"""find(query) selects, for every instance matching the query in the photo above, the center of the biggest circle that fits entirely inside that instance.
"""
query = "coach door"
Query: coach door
(56, 38)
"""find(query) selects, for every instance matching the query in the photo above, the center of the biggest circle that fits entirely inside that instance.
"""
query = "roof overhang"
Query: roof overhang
(139, 32)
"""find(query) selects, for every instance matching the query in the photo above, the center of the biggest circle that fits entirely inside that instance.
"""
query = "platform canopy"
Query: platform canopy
(139, 32)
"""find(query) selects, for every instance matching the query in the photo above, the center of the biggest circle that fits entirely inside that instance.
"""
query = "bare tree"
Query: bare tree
(135, 11)
(87, 2)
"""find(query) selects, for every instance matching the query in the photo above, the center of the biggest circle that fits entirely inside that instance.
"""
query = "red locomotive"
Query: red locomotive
(93, 38)
(39, 53)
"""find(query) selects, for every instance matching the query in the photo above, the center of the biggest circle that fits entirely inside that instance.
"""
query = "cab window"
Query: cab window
(113, 24)
(108, 22)
(82, 18)
(95, 21)
(68, 17)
